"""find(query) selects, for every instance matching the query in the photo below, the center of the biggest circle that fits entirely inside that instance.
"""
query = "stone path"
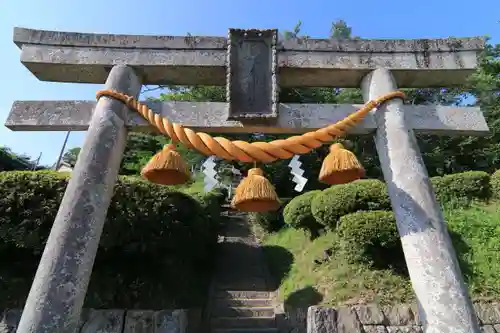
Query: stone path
(240, 297)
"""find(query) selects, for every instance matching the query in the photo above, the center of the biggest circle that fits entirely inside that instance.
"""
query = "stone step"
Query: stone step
(242, 294)
(247, 330)
(235, 322)
(240, 287)
(250, 280)
(238, 239)
(249, 303)
(231, 273)
(238, 284)
(242, 312)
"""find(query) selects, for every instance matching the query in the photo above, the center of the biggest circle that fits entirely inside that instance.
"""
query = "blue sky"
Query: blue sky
(369, 19)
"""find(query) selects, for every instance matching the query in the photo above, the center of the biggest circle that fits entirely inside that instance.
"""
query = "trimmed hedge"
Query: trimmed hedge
(462, 187)
(369, 228)
(328, 206)
(298, 214)
(142, 217)
(339, 200)
(495, 184)
(154, 238)
(371, 236)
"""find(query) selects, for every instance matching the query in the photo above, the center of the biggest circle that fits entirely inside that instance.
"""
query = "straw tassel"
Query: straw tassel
(340, 166)
(255, 194)
(167, 167)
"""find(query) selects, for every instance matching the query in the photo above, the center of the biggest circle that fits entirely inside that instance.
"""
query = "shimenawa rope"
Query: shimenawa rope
(244, 151)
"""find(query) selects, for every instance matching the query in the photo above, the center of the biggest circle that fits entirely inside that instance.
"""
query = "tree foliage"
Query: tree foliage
(10, 161)
(71, 156)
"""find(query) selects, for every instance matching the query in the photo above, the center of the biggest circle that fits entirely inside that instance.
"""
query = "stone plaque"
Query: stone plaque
(252, 87)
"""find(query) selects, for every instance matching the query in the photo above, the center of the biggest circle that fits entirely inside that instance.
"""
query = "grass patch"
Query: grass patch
(479, 249)
(320, 272)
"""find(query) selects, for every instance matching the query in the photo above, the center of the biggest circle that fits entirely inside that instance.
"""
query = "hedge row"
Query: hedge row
(142, 217)
(337, 201)
(463, 187)
(327, 207)
(154, 234)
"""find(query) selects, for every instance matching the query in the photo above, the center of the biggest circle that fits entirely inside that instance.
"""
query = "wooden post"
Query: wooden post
(430, 257)
(56, 297)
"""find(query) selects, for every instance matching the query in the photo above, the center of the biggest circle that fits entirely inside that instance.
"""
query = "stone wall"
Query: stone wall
(122, 321)
(292, 320)
(394, 319)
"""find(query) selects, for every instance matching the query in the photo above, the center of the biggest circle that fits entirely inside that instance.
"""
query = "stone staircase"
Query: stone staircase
(240, 299)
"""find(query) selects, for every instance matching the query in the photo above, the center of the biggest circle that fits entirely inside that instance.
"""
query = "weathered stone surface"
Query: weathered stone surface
(139, 321)
(22, 36)
(166, 321)
(58, 291)
(294, 321)
(488, 329)
(207, 67)
(242, 294)
(293, 118)
(370, 314)
(170, 321)
(9, 320)
(399, 315)
(488, 313)
(404, 329)
(430, 256)
(416, 314)
(102, 321)
(251, 73)
(347, 321)
(406, 315)
(76, 57)
(477, 309)
(321, 320)
(118, 321)
(374, 329)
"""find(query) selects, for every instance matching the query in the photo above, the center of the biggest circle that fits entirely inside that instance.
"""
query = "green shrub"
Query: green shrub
(339, 200)
(297, 213)
(270, 221)
(495, 184)
(211, 202)
(142, 216)
(156, 249)
(462, 187)
(372, 237)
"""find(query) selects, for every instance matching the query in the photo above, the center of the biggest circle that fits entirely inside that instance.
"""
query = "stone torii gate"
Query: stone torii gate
(252, 64)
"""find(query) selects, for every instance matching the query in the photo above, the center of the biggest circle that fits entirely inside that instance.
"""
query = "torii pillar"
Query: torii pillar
(252, 64)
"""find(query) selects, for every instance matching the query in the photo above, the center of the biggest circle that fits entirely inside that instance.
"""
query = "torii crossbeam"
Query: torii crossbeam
(252, 64)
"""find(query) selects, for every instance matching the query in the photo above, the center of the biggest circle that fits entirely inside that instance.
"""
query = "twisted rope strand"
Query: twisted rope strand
(244, 151)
